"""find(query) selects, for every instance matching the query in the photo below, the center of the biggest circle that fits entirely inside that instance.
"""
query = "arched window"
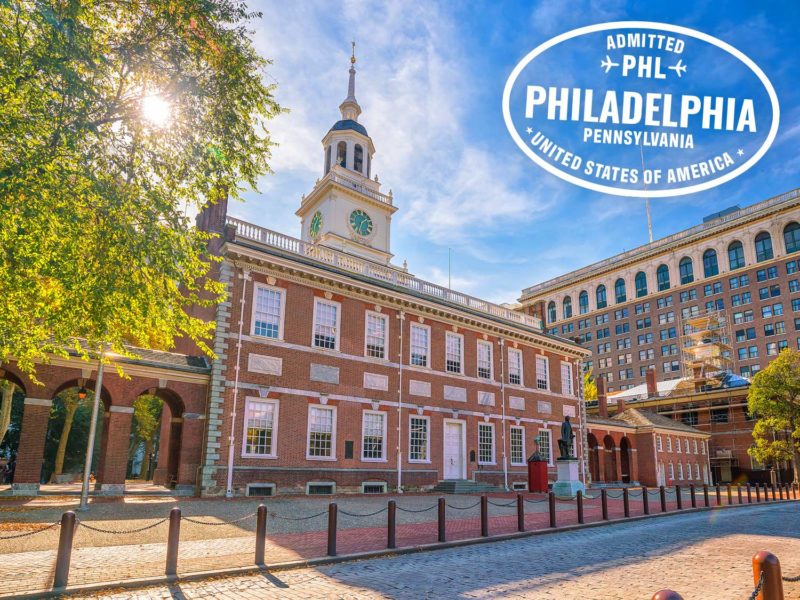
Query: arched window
(619, 291)
(791, 237)
(710, 266)
(567, 307)
(662, 277)
(763, 247)
(583, 302)
(369, 165)
(686, 270)
(327, 159)
(551, 312)
(641, 284)
(341, 154)
(600, 295)
(736, 255)
(358, 158)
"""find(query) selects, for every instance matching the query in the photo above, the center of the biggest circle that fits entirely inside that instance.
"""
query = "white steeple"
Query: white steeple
(350, 108)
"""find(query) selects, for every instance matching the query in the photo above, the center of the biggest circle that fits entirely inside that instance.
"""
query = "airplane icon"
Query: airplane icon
(678, 67)
(607, 64)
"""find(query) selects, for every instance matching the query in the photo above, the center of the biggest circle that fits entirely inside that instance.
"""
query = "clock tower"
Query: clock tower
(346, 210)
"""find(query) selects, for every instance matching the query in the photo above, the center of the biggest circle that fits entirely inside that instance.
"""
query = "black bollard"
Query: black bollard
(172, 541)
(391, 525)
(64, 555)
(261, 533)
(333, 516)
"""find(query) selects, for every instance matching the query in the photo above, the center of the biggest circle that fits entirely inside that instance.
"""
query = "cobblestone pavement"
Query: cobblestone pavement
(207, 544)
(700, 555)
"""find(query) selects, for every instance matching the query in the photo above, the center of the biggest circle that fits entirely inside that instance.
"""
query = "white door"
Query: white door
(660, 474)
(453, 450)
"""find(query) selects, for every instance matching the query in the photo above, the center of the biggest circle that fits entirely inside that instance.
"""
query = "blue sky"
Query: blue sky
(430, 82)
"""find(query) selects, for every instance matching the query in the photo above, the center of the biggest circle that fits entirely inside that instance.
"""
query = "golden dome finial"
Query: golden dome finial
(353, 57)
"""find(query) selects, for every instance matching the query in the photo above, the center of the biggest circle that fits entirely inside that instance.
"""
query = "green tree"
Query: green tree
(71, 401)
(6, 399)
(589, 387)
(146, 425)
(775, 397)
(118, 118)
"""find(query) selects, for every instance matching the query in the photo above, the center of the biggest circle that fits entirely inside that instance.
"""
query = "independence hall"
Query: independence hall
(680, 325)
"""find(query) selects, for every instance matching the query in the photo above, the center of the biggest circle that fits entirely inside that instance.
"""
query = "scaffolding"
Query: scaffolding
(706, 349)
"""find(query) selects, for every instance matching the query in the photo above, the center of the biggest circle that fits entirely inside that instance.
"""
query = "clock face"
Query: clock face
(316, 224)
(361, 223)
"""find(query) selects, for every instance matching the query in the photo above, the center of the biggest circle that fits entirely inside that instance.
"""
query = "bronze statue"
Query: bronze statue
(565, 444)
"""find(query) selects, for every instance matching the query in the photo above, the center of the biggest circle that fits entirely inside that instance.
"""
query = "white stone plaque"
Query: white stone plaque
(486, 398)
(419, 388)
(324, 373)
(569, 410)
(457, 394)
(543, 407)
(516, 402)
(374, 381)
(269, 365)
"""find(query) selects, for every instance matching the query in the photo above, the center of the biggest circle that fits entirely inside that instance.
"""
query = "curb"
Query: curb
(386, 553)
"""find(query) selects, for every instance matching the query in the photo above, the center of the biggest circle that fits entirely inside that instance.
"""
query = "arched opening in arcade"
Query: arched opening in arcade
(625, 459)
(12, 397)
(594, 465)
(155, 438)
(610, 463)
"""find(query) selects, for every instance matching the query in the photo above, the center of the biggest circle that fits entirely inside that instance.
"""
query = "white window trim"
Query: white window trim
(696, 451)
(272, 486)
(536, 372)
(686, 445)
(277, 403)
(550, 449)
(385, 422)
(491, 359)
(524, 462)
(494, 444)
(333, 434)
(461, 346)
(680, 471)
(427, 439)
(521, 367)
(571, 378)
(697, 471)
(659, 444)
(427, 350)
(338, 326)
(281, 332)
(678, 448)
(688, 471)
(367, 315)
(671, 472)
(330, 483)
(381, 483)
(669, 443)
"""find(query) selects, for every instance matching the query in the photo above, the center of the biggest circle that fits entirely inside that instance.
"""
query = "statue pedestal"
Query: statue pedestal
(567, 484)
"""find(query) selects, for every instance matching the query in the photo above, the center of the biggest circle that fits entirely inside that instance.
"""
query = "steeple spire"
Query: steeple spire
(350, 108)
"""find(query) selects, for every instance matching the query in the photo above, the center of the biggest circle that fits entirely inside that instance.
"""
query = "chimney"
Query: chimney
(602, 401)
(620, 405)
(652, 388)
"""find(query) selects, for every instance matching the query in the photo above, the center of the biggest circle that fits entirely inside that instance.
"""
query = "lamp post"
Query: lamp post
(87, 467)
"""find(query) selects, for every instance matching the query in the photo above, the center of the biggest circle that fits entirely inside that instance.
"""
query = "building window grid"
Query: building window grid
(373, 429)
(484, 359)
(486, 444)
(517, 445)
(515, 366)
(268, 311)
(321, 423)
(419, 439)
(420, 345)
(377, 328)
(542, 379)
(543, 441)
(454, 352)
(260, 424)
(325, 321)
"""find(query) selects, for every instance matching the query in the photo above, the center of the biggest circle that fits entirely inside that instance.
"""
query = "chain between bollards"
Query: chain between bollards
(261, 533)
(551, 500)
(604, 503)
(442, 528)
(645, 500)
(172, 541)
(391, 525)
(64, 555)
(520, 513)
(484, 516)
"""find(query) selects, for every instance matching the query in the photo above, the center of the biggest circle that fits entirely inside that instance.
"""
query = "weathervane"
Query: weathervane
(353, 57)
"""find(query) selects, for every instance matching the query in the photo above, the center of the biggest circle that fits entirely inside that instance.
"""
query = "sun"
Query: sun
(156, 110)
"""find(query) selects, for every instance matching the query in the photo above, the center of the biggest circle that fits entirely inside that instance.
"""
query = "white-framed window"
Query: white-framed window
(419, 440)
(268, 311)
(543, 439)
(697, 470)
(542, 376)
(702, 447)
(566, 379)
(694, 441)
(321, 443)
(486, 443)
(261, 428)
(659, 446)
(688, 470)
(669, 444)
(517, 445)
(376, 332)
(678, 445)
(672, 471)
(686, 445)
(420, 345)
(680, 471)
(485, 369)
(373, 435)
(326, 324)
(515, 366)
(454, 352)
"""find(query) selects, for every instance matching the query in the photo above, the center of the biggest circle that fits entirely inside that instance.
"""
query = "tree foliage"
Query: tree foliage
(589, 387)
(95, 241)
(774, 397)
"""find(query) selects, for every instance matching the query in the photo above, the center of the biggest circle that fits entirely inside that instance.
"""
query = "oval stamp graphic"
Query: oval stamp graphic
(635, 108)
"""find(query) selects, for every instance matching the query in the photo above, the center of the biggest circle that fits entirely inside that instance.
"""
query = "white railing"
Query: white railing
(335, 175)
(362, 266)
(686, 233)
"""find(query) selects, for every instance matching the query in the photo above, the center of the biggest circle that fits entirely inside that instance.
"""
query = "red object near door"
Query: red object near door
(537, 474)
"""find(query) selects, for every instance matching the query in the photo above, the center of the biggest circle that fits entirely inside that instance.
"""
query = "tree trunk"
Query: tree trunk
(148, 449)
(62, 441)
(795, 453)
(5, 408)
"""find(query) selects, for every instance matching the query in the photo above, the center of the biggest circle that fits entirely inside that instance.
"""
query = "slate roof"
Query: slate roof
(346, 124)
(165, 360)
(646, 418)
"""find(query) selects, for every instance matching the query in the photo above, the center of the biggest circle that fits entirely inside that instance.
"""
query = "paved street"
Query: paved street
(700, 555)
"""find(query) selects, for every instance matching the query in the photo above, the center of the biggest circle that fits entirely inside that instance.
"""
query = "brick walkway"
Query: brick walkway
(106, 558)
(701, 555)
